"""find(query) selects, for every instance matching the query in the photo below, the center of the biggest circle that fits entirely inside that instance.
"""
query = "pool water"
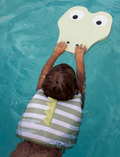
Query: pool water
(28, 35)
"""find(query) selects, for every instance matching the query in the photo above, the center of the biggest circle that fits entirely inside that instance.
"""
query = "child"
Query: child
(60, 84)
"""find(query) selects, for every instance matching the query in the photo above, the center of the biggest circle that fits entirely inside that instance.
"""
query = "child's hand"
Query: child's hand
(59, 48)
(79, 51)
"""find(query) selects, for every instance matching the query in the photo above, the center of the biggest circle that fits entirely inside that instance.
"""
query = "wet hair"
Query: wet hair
(29, 149)
(60, 82)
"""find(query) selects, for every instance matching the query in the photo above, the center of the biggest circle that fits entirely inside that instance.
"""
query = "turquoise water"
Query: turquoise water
(28, 34)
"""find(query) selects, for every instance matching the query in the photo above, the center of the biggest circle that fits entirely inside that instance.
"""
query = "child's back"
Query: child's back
(61, 84)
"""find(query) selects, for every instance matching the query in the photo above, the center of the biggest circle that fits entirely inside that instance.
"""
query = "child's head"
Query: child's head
(60, 82)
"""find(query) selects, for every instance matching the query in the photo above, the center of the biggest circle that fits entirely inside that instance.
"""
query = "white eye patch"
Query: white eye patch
(100, 20)
(76, 15)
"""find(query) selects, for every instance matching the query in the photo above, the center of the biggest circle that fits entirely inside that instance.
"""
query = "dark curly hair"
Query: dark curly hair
(60, 82)
(29, 149)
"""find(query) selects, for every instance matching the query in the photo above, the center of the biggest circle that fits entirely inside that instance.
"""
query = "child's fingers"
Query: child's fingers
(80, 46)
(58, 44)
(63, 45)
(84, 48)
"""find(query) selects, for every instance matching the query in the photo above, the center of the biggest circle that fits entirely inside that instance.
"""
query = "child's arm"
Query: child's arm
(79, 56)
(59, 48)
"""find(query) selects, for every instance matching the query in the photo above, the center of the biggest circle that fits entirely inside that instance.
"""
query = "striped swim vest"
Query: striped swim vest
(49, 122)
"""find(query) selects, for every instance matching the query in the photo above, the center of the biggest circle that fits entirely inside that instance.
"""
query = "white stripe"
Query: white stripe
(55, 121)
(43, 107)
(66, 125)
(70, 106)
(33, 115)
(38, 106)
(44, 128)
(79, 94)
(37, 96)
(40, 90)
(68, 115)
(44, 139)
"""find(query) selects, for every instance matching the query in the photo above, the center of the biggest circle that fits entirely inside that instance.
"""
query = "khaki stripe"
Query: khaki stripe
(56, 116)
(62, 108)
(33, 120)
(78, 96)
(42, 112)
(59, 138)
(44, 102)
(35, 110)
(67, 120)
(39, 127)
(53, 126)
(75, 103)
(71, 111)
(63, 129)
(69, 102)
(38, 101)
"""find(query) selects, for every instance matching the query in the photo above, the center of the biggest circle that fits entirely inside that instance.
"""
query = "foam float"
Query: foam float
(79, 26)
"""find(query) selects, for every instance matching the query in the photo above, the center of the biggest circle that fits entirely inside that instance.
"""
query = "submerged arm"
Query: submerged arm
(79, 56)
(59, 48)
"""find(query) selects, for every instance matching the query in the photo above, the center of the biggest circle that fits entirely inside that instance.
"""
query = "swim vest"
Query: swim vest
(56, 126)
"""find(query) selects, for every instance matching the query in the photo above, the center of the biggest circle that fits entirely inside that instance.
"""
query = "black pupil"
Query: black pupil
(99, 22)
(75, 17)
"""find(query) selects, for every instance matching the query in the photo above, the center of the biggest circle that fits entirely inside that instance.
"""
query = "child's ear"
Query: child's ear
(76, 91)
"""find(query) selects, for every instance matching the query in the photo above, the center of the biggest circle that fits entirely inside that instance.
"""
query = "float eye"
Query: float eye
(100, 20)
(76, 15)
